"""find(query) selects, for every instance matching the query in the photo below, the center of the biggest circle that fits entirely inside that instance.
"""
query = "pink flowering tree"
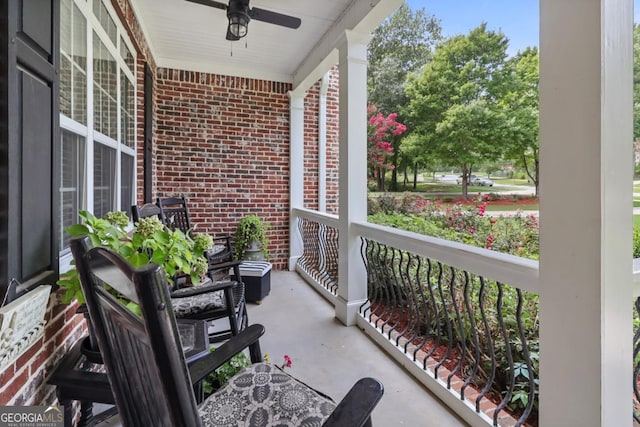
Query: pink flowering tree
(381, 131)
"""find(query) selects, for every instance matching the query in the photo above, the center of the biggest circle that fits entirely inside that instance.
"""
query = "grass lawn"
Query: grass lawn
(452, 188)
(509, 208)
(508, 181)
(636, 220)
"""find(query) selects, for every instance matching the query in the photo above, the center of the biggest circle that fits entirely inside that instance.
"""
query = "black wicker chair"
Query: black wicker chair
(159, 392)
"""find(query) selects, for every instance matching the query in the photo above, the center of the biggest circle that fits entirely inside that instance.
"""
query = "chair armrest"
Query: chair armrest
(203, 289)
(222, 265)
(356, 407)
(247, 338)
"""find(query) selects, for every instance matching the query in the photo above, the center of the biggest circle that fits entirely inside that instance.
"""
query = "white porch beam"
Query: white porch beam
(362, 16)
(296, 172)
(352, 204)
(586, 212)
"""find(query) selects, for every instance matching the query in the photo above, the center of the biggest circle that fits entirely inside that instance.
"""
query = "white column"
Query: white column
(296, 172)
(352, 286)
(586, 212)
(322, 144)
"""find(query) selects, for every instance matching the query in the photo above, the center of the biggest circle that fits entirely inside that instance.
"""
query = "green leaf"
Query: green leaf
(77, 230)
(135, 308)
(138, 259)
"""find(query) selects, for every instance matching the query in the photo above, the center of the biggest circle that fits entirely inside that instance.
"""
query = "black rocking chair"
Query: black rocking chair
(205, 302)
(158, 392)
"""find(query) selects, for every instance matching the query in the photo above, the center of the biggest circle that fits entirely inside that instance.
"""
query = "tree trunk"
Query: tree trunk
(466, 173)
(380, 179)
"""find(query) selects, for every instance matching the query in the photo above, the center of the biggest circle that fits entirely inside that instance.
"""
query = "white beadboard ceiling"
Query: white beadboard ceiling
(191, 36)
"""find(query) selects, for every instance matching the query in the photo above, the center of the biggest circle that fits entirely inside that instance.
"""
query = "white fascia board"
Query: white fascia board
(361, 16)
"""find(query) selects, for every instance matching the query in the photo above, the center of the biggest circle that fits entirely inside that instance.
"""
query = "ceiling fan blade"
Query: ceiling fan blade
(274, 18)
(211, 3)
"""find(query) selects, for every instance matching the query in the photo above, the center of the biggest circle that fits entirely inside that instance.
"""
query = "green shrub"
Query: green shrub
(636, 241)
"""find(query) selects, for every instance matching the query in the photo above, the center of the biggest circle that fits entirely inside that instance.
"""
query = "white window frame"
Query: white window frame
(90, 135)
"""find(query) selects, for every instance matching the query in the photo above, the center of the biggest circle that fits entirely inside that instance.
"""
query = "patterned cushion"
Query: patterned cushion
(264, 395)
(216, 249)
(197, 303)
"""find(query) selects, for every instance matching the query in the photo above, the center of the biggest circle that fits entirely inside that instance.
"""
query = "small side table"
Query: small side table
(256, 276)
(76, 378)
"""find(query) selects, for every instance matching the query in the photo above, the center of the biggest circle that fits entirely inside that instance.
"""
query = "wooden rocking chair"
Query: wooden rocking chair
(152, 384)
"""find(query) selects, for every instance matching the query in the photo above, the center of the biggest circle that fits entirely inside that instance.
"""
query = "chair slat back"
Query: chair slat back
(174, 213)
(145, 211)
(143, 356)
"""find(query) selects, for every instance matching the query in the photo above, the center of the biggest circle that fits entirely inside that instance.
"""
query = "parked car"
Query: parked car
(471, 178)
(482, 182)
(475, 180)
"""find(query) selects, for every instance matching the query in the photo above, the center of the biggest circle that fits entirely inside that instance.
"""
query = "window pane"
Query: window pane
(126, 183)
(105, 89)
(126, 111)
(72, 182)
(104, 179)
(105, 20)
(126, 55)
(73, 63)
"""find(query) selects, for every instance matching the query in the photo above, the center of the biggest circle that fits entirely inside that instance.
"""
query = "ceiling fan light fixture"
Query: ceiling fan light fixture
(238, 25)
(238, 15)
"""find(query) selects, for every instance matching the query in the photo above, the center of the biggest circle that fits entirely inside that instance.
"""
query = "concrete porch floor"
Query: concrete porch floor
(331, 358)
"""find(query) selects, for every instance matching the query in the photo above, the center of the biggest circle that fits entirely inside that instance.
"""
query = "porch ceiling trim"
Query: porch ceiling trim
(362, 16)
(254, 72)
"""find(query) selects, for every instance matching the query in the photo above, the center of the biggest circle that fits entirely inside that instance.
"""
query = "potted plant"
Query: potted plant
(149, 241)
(250, 239)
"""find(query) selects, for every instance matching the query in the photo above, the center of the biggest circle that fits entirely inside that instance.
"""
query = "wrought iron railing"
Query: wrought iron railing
(320, 255)
(435, 303)
(480, 337)
(636, 361)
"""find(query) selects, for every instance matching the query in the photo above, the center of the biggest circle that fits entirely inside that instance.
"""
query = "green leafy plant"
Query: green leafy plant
(251, 229)
(220, 376)
(149, 241)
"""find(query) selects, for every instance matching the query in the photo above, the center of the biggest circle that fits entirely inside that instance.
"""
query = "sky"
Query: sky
(517, 19)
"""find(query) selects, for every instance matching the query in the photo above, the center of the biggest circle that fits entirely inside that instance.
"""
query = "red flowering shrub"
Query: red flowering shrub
(380, 132)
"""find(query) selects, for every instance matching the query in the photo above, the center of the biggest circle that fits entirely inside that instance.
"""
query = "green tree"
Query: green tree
(400, 45)
(522, 102)
(416, 157)
(455, 100)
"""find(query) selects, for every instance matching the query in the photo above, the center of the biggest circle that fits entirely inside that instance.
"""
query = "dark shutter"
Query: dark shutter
(30, 137)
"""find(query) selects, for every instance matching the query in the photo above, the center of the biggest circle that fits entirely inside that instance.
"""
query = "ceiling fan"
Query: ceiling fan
(239, 15)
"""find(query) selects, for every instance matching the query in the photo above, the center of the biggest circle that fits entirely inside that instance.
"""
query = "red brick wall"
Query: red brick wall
(311, 135)
(333, 141)
(23, 382)
(223, 142)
